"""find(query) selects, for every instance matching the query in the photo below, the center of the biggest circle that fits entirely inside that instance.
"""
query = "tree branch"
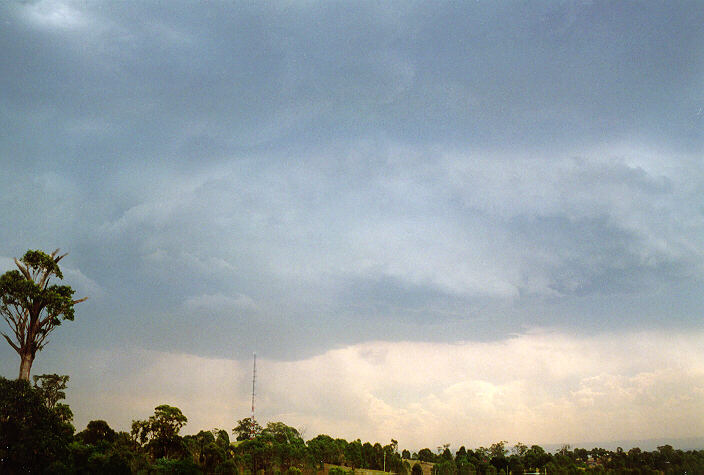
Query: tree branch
(23, 269)
(57, 259)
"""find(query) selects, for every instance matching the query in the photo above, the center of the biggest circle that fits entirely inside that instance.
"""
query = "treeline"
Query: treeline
(519, 459)
(37, 436)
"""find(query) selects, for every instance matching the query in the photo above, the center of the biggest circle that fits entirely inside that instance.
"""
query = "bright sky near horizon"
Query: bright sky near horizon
(438, 222)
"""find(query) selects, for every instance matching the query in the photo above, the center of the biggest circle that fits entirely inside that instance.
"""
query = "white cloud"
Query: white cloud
(56, 14)
(537, 388)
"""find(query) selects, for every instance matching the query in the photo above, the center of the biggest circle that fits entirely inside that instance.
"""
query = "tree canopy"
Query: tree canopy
(32, 435)
(32, 306)
(160, 432)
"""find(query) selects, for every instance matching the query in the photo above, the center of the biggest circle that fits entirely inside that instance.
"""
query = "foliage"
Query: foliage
(51, 388)
(97, 432)
(222, 440)
(277, 446)
(426, 455)
(159, 433)
(228, 467)
(32, 435)
(324, 449)
(246, 428)
(175, 467)
(445, 467)
(31, 306)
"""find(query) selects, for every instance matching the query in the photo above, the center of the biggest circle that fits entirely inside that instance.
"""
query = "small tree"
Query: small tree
(31, 307)
(51, 387)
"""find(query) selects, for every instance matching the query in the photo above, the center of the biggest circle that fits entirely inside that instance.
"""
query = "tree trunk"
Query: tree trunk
(25, 366)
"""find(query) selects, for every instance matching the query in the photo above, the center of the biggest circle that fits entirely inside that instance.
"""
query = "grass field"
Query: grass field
(426, 466)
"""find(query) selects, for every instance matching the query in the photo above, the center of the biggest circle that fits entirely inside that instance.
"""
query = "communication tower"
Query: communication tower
(254, 379)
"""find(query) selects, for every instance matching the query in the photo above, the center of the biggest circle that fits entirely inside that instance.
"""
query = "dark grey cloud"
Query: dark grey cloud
(235, 175)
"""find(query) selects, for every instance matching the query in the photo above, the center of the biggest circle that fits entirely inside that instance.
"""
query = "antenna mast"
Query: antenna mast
(254, 379)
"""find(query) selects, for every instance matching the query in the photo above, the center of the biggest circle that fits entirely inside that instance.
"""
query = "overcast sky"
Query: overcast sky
(439, 222)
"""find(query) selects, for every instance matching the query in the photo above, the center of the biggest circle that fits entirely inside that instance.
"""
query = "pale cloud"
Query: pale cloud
(59, 14)
(543, 387)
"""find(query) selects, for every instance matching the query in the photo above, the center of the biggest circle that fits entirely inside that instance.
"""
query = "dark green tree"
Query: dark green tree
(221, 438)
(33, 437)
(342, 451)
(515, 465)
(278, 447)
(324, 449)
(97, 432)
(426, 455)
(51, 387)
(31, 306)
(228, 467)
(159, 433)
(213, 456)
(445, 467)
(393, 458)
(535, 457)
(367, 455)
(498, 449)
(286, 446)
(462, 460)
(519, 449)
(446, 454)
(581, 455)
(353, 454)
(197, 445)
(462, 452)
(377, 456)
(167, 466)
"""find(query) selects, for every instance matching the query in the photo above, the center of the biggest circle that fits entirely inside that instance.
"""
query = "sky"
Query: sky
(438, 222)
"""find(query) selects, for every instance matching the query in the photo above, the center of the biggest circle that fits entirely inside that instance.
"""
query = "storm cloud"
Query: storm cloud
(306, 178)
